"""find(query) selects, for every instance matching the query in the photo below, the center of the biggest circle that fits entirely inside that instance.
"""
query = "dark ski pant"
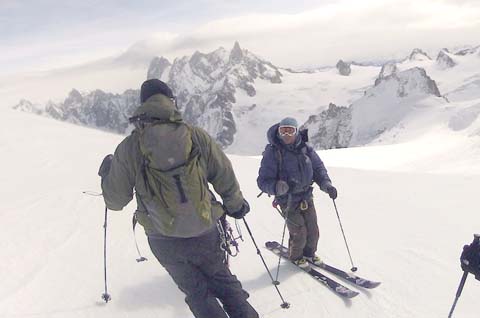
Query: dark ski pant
(303, 228)
(196, 265)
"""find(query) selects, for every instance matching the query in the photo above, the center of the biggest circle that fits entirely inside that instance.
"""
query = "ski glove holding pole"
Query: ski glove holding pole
(105, 166)
(241, 212)
(331, 190)
(470, 258)
(470, 262)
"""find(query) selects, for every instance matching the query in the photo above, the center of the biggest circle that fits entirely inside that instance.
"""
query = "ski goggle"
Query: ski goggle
(287, 131)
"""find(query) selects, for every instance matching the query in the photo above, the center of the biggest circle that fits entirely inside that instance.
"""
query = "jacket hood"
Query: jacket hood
(272, 135)
(161, 107)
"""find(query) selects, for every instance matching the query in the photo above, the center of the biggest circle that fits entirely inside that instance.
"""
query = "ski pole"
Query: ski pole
(284, 304)
(105, 296)
(289, 203)
(353, 269)
(459, 292)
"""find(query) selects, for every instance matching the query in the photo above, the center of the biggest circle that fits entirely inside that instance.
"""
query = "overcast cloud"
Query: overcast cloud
(47, 34)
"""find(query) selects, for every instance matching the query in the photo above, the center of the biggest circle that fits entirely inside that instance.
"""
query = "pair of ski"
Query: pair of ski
(333, 285)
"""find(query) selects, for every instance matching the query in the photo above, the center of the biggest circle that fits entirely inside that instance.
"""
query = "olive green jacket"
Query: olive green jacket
(125, 177)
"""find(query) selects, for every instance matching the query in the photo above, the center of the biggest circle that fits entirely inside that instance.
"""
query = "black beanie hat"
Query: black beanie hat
(154, 86)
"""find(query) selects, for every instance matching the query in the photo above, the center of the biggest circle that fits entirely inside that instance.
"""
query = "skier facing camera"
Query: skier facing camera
(288, 169)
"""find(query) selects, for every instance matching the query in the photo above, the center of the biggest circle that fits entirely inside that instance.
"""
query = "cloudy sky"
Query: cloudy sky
(44, 34)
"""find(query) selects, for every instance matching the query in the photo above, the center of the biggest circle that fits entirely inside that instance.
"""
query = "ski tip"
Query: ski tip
(351, 294)
(345, 292)
(373, 285)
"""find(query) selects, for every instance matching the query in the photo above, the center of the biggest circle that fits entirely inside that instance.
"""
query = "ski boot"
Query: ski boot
(315, 260)
(302, 263)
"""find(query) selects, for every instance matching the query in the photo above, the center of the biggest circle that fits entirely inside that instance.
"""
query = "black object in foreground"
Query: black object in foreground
(470, 262)
(334, 286)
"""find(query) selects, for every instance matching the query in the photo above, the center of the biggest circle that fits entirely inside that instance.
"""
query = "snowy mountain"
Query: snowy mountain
(220, 91)
(418, 55)
(382, 107)
(206, 86)
(236, 96)
(96, 109)
(438, 95)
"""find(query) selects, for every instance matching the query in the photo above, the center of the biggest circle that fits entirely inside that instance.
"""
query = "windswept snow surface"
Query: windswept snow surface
(407, 210)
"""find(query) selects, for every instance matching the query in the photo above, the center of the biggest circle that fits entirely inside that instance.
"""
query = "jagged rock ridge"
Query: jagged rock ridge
(27, 106)
(206, 84)
(388, 69)
(418, 55)
(444, 60)
(96, 109)
(331, 128)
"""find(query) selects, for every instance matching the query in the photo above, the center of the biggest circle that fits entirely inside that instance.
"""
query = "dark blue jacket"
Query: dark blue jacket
(297, 164)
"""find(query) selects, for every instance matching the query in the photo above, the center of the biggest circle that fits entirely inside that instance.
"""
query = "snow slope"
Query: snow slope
(407, 210)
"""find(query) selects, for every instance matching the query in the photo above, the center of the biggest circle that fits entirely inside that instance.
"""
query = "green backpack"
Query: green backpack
(179, 203)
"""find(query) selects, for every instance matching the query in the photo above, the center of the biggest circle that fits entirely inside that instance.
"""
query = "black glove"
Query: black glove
(281, 188)
(242, 212)
(470, 259)
(105, 166)
(332, 191)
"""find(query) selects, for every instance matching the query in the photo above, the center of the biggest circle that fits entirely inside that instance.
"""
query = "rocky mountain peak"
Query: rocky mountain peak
(388, 69)
(74, 98)
(444, 60)
(157, 67)
(413, 81)
(206, 84)
(236, 54)
(331, 128)
(418, 55)
(27, 106)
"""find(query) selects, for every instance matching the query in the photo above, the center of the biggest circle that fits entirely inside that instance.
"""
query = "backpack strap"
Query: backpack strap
(134, 224)
(279, 157)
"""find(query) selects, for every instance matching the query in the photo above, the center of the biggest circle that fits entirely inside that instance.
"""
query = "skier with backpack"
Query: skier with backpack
(288, 169)
(169, 164)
